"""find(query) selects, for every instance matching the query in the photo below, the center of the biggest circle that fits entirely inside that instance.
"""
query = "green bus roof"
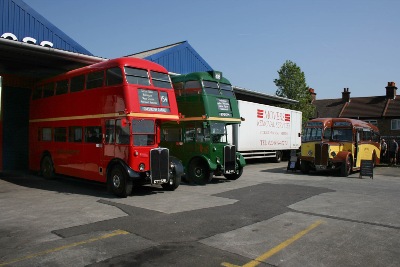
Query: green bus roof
(195, 76)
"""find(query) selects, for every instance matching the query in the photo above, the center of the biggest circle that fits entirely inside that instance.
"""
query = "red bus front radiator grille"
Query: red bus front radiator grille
(321, 154)
(229, 159)
(159, 164)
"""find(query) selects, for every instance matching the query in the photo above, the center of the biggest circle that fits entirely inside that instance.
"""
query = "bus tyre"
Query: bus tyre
(345, 169)
(278, 156)
(199, 172)
(173, 183)
(119, 183)
(175, 176)
(234, 176)
(305, 167)
(47, 167)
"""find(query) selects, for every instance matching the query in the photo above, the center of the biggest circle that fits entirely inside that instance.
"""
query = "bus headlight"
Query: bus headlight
(141, 167)
(310, 153)
(218, 160)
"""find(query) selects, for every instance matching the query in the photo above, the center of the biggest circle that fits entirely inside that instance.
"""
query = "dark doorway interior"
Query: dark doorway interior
(15, 128)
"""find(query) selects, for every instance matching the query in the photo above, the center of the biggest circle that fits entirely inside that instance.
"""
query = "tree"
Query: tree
(292, 84)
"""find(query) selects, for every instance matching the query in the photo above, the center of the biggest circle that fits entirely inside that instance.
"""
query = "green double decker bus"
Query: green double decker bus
(207, 105)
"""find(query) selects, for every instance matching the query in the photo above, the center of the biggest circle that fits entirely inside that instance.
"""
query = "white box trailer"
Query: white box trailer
(266, 132)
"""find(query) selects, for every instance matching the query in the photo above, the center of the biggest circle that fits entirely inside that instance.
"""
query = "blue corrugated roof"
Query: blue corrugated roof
(178, 58)
(23, 21)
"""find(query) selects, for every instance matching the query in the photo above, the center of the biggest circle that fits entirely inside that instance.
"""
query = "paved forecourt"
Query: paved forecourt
(267, 217)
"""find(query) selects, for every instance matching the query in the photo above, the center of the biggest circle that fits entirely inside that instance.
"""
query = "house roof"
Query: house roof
(365, 107)
(328, 108)
(393, 108)
(358, 107)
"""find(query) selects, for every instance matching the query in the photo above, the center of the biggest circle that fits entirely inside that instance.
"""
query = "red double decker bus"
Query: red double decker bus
(102, 123)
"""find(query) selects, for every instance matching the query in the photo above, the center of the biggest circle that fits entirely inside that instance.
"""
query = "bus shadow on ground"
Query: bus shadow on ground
(70, 185)
(214, 180)
(328, 173)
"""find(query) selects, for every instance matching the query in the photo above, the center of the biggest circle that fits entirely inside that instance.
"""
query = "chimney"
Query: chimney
(313, 94)
(346, 95)
(391, 90)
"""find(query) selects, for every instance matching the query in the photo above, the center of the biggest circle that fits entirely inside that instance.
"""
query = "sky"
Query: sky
(337, 43)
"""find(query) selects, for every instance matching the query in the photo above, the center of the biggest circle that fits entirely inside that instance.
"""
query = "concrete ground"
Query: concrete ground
(268, 217)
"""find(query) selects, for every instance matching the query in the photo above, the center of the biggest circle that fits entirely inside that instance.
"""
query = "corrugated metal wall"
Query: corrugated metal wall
(21, 20)
(181, 59)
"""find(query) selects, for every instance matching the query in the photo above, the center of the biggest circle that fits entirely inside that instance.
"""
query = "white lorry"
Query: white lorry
(266, 132)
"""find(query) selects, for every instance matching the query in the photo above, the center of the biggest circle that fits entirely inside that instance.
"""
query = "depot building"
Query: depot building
(32, 49)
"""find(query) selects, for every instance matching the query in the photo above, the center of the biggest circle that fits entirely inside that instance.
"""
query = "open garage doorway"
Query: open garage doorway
(15, 127)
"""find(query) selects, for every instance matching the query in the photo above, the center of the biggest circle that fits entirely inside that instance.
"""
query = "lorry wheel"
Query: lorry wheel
(278, 156)
(47, 167)
(234, 176)
(173, 183)
(119, 183)
(345, 169)
(304, 167)
(199, 172)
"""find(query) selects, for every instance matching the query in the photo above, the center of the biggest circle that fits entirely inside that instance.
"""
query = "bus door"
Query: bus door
(117, 140)
(172, 138)
(190, 138)
(93, 152)
(75, 166)
(202, 135)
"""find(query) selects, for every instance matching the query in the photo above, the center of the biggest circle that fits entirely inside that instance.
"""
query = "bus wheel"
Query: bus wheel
(199, 172)
(304, 167)
(278, 156)
(345, 169)
(234, 176)
(47, 167)
(173, 183)
(119, 183)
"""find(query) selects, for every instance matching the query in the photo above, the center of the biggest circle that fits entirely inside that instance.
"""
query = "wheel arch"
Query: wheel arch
(211, 166)
(119, 162)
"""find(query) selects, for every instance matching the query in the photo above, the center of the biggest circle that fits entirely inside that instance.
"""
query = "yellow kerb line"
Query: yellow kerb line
(34, 255)
(276, 249)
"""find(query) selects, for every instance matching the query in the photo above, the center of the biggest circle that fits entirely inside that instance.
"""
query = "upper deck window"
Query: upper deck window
(226, 90)
(192, 87)
(211, 87)
(61, 87)
(77, 83)
(37, 92)
(137, 76)
(161, 79)
(95, 80)
(113, 76)
(48, 90)
(178, 87)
